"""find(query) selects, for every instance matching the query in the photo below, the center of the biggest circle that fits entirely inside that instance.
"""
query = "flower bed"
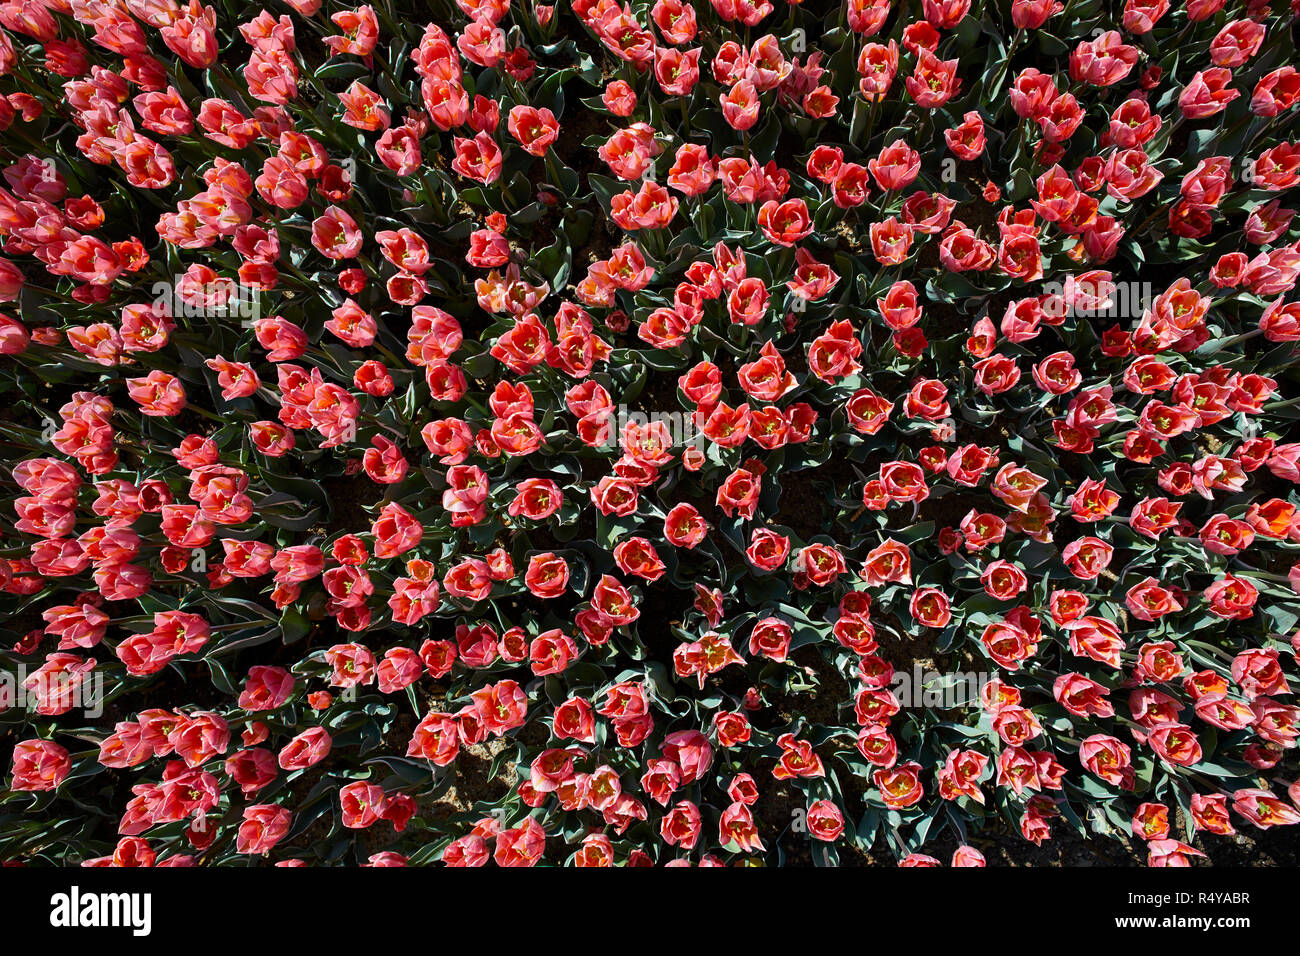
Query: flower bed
(657, 434)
